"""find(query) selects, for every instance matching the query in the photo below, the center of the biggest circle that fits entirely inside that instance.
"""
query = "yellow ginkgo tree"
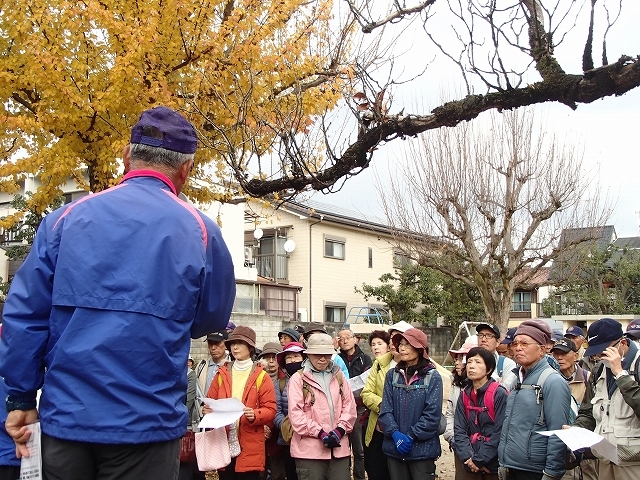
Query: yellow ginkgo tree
(75, 76)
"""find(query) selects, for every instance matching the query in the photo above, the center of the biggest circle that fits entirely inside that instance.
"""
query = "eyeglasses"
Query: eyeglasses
(486, 335)
(404, 344)
(523, 344)
(344, 339)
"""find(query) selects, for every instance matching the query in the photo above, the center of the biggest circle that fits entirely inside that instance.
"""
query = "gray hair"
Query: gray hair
(157, 155)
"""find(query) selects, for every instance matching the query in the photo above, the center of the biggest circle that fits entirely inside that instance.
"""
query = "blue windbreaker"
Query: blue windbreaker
(100, 314)
(7, 445)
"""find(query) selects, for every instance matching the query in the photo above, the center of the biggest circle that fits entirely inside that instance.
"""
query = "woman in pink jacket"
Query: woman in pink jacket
(322, 411)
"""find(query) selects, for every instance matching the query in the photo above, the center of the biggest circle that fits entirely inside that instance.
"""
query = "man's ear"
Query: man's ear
(184, 170)
(126, 158)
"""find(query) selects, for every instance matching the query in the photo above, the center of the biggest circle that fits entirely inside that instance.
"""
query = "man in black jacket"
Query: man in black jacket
(357, 362)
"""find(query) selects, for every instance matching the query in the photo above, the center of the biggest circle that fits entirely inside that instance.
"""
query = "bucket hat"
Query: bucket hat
(243, 334)
(320, 344)
(416, 338)
(292, 347)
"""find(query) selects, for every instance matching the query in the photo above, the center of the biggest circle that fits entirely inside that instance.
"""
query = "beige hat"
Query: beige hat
(320, 344)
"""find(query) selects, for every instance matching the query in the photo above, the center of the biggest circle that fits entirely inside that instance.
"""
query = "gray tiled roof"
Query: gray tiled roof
(599, 237)
(337, 214)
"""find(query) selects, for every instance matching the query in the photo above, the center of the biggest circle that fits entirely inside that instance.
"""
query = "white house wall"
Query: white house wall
(232, 226)
(326, 279)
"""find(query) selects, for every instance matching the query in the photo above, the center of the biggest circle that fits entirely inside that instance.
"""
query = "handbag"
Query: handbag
(234, 441)
(212, 449)
(188, 447)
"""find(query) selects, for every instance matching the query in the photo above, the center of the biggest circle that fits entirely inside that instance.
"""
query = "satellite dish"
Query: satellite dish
(257, 233)
(289, 246)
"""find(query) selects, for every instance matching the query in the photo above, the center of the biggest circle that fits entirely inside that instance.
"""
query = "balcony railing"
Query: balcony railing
(265, 266)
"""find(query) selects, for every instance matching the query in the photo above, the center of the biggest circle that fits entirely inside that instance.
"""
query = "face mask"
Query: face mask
(292, 368)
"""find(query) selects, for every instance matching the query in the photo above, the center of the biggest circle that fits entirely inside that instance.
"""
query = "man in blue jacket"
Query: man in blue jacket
(539, 402)
(129, 273)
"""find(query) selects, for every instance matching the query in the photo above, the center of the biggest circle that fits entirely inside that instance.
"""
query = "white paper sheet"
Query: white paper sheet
(576, 438)
(225, 412)
(31, 466)
(357, 383)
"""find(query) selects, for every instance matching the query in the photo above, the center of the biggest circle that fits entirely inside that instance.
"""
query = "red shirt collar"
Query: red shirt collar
(151, 173)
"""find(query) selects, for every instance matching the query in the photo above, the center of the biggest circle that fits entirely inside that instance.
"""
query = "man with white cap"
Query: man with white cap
(612, 407)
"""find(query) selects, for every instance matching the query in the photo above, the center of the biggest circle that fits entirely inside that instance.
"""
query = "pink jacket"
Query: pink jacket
(311, 415)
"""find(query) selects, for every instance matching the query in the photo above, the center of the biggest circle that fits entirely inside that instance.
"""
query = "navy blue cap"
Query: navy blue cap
(165, 128)
(574, 331)
(633, 329)
(600, 334)
(508, 338)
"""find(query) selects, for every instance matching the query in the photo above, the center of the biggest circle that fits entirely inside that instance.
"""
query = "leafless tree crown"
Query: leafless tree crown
(488, 205)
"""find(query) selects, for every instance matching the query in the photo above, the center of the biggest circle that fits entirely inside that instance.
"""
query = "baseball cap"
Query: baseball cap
(490, 326)
(509, 336)
(633, 329)
(165, 128)
(574, 331)
(217, 336)
(565, 345)
(600, 334)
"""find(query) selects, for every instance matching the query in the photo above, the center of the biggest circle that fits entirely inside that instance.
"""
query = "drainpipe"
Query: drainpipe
(310, 270)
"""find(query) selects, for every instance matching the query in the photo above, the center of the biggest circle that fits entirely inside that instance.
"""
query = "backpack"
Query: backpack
(286, 430)
(415, 386)
(489, 402)
(573, 407)
(500, 366)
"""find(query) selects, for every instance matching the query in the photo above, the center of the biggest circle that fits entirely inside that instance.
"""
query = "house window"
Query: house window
(247, 298)
(334, 247)
(335, 312)
(279, 302)
(370, 257)
(400, 259)
(521, 302)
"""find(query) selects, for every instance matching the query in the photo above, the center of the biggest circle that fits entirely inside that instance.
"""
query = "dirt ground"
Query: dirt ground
(444, 465)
